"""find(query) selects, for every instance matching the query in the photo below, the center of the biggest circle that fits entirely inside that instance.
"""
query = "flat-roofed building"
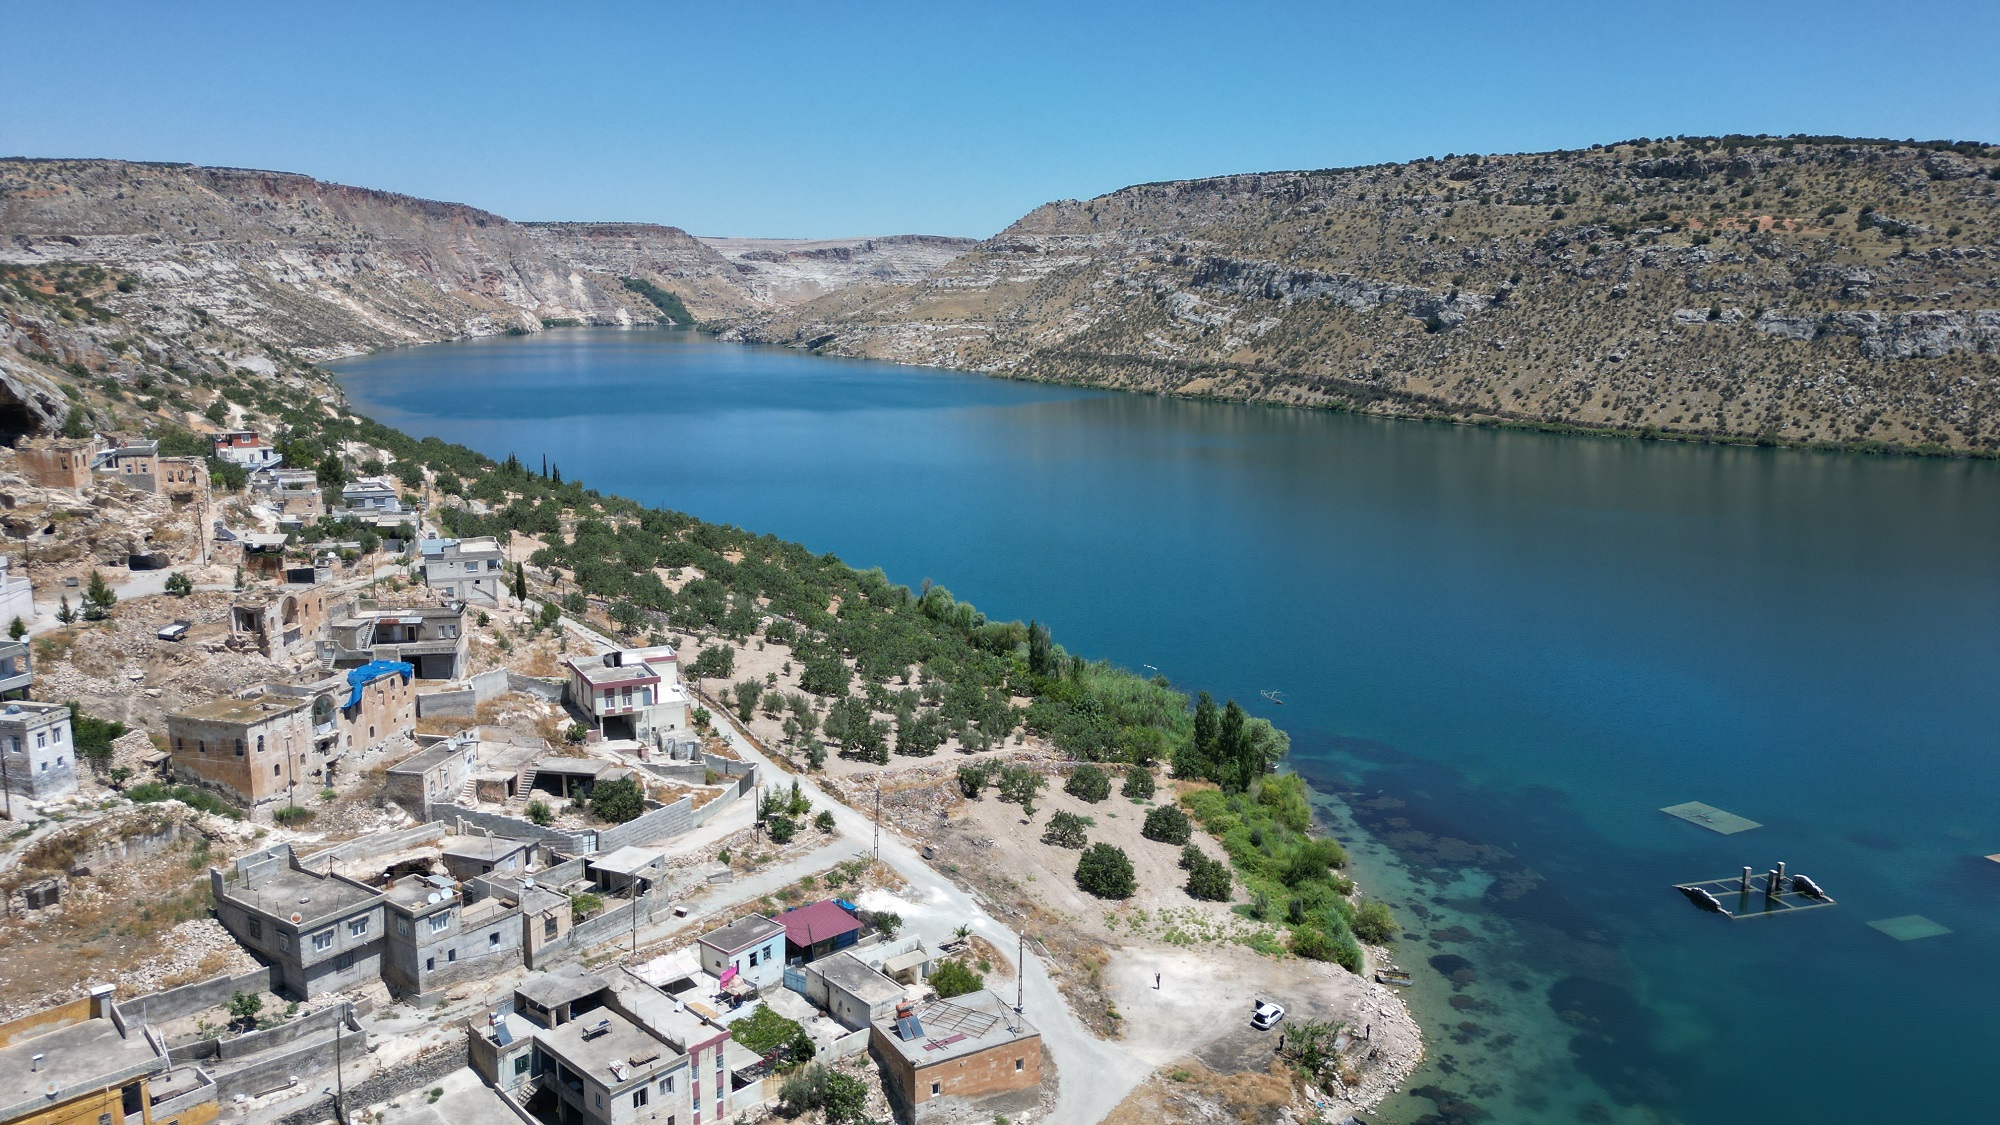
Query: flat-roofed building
(633, 693)
(135, 463)
(281, 622)
(325, 933)
(56, 462)
(82, 1062)
(254, 749)
(38, 749)
(752, 947)
(607, 1070)
(430, 638)
(245, 448)
(17, 669)
(473, 571)
(970, 1054)
(371, 496)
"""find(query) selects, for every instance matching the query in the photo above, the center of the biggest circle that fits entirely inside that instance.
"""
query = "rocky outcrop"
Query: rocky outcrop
(1917, 335)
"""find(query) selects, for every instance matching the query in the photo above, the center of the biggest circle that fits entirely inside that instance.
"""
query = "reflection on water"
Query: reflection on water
(1502, 654)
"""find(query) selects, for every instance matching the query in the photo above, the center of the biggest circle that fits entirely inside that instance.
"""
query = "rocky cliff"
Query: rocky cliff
(327, 270)
(787, 271)
(1793, 290)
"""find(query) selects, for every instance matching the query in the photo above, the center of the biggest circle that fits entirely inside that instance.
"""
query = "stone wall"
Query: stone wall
(418, 1073)
(160, 1007)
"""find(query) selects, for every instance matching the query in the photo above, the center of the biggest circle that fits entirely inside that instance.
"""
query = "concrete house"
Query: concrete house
(371, 496)
(560, 995)
(473, 571)
(37, 750)
(604, 1069)
(56, 462)
(436, 773)
(255, 750)
(430, 638)
(245, 448)
(468, 857)
(852, 993)
(502, 1050)
(325, 933)
(972, 1054)
(751, 947)
(634, 693)
(294, 493)
(82, 1062)
(183, 479)
(443, 933)
(136, 463)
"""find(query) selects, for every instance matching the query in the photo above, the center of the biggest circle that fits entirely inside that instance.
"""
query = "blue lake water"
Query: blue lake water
(1502, 653)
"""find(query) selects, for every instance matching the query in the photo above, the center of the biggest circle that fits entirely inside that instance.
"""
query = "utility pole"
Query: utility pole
(1020, 969)
(878, 816)
(339, 1082)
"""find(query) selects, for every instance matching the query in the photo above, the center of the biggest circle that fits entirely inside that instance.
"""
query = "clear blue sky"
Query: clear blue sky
(820, 119)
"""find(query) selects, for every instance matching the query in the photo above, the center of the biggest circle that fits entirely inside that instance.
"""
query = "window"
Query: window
(322, 941)
(344, 962)
(276, 770)
(450, 955)
(600, 1100)
(1020, 1065)
(521, 1066)
(285, 942)
(41, 739)
(239, 748)
(753, 958)
(767, 953)
(718, 1060)
(936, 1088)
(549, 925)
(639, 1098)
(430, 963)
(356, 927)
(256, 926)
(667, 1084)
(403, 926)
(493, 940)
(440, 921)
(260, 744)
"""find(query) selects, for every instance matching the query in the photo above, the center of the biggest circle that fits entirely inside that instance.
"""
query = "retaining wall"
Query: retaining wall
(159, 1007)
(422, 1071)
(258, 1042)
(461, 704)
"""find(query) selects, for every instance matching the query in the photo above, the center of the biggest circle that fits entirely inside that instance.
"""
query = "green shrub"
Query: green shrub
(1191, 855)
(1138, 784)
(1167, 824)
(1088, 783)
(1020, 784)
(1373, 923)
(1209, 881)
(956, 978)
(973, 778)
(200, 800)
(824, 821)
(292, 814)
(782, 828)
(585, 905)
(540, 813)
(839, 1096)
(1065, 830)
(1106, 871)
(765, 1031)
(618, 800)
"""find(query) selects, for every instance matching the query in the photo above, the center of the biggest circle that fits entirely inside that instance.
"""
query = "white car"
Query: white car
(1265, 1015)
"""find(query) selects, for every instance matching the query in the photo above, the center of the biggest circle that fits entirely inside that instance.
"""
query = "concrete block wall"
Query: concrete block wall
(159, 1007)
(462, 704)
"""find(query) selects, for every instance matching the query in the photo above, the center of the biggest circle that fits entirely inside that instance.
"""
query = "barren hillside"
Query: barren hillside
(786, 271)
(1789, 290)
(327, 270)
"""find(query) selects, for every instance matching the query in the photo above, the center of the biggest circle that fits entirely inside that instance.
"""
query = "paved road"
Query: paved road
(1095, 1075)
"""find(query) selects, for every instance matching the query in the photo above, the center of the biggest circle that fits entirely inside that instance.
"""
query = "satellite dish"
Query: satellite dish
(297, 917)
(54, 1088)
(433, 898)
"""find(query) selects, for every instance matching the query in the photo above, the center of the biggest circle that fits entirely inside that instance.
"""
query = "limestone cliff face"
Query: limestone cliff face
(1822, 290)
(328, 270)
(787, 271)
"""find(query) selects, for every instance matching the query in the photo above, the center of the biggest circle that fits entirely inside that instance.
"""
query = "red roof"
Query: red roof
(809, 925)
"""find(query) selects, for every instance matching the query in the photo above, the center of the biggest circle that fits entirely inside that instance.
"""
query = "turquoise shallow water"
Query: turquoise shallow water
(1502, 653)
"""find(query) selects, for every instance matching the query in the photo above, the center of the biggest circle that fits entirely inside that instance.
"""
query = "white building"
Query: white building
(37, 749)
(371, 495)
(472, 571)
(633, 693)
(245, 448)
(752, 947)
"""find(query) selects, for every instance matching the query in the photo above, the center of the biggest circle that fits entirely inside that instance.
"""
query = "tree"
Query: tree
(973, 778)
(1065, 830)
(1088, 783)
(888, 923)
(520, 582)
(1020, 784)
(98, 597)
(765, 1031)
(920, 735)
(824, 821)
(618, 800)
(179, 584)
(17, 628)
(955, 978)
(93, 735)
(243, 1008)
(1205, 723)
(1106, 871)
(1041, 649)
(782, 828)
(1138, 784)
(715, 662)
(540, 813)
(839, 1096)
(747, 694)
(1167, 824)
(64, 613)
(1209, 881)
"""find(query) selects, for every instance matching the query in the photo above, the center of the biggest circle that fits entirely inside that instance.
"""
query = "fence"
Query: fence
(270, 1039)
(159, 1007)
(460, 704)
(379, 843)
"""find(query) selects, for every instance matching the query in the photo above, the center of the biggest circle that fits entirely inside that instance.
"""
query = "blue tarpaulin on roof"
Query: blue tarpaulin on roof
(368, 673)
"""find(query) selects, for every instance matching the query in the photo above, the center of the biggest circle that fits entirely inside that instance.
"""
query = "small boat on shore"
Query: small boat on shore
(1270, 696)
(1395, 976)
